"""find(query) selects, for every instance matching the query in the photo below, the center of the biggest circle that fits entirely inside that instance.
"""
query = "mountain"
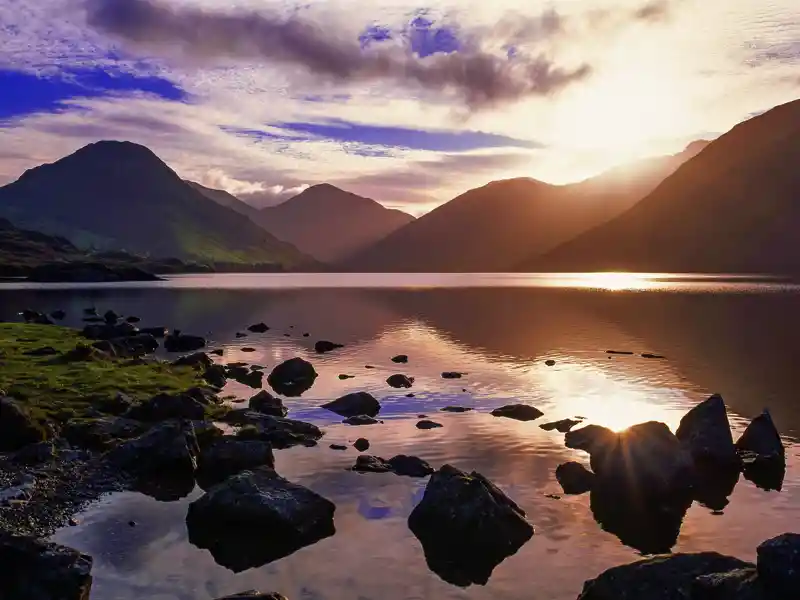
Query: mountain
(497, 226)
(331, 224)
(226, 199)
(119, 195)
(735, 208)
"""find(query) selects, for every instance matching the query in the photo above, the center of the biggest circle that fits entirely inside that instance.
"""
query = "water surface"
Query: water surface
(734, 336)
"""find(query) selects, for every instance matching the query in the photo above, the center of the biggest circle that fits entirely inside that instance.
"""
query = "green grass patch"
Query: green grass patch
(55, 390)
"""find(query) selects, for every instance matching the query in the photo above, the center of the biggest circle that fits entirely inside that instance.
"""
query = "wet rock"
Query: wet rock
(253, 379)
(293, 377)
(34, 570)
(562, 426)
(368, 367)
(762, 439)
(156, 332)
(58, 315)
(110, 317)
(371, 464)
(338, 447)
(323, 346)
(265, 403)
(217, 352)
(134, 345)
(659, 578)
(426, 424)
(410, 395)
(35, 317)
(456, 409)
(17, 427)
(90, 311)
(520, 412)
(400, 381)
(765, 474)
(779, 565)
(550, 363)
(106, 331)
(706, 433)
(230, 455)
(400, 359)
(622, 352)
(256, 517)
(254, 595)
(132, 319)
(574, 478)
(361, 444)
(248, 349)
(281, 433)
(590, 437)
(216, 375)
(103, 433)
(652, 356)
(168, 447)
(739, 584)
(179, 342)
(168, 406)
(452, 375)
(410, 466)
(467, 526)
(344, 377)
(257, 367)
(357, 403)
(198, 360)
(258, 328)
(357, 420)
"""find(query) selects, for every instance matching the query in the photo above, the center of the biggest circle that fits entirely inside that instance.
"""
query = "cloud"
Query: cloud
(657, 10)
(272, 195)
(477, 77)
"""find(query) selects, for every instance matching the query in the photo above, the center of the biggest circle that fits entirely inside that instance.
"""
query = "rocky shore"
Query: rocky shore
(88, 412)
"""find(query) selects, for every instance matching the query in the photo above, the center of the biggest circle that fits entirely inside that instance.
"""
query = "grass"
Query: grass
(54, 390)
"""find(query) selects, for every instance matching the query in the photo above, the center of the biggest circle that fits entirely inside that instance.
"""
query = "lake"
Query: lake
(734, 336)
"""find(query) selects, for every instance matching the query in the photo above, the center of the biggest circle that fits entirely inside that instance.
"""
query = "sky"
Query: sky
(408, 102)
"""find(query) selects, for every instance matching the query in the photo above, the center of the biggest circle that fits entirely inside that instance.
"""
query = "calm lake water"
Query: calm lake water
(734, 336)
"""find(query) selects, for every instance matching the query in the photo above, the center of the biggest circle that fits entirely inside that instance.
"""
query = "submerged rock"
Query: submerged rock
(574, 478)
(400, 359)
(456, 409)
(256, 517)
(293, 377)
(323, 346)
(779, 565)
(265, 403)
(400, 381)
(258, 328)
(452, 375)
(357, 403)
(562, 426)
(706, 433)
(178, 342)
(17, 427)
(426, 424)
(520, 412)
(34, 570)
(467, 526)
(361, 420)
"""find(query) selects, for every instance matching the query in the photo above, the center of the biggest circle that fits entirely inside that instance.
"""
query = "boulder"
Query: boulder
(344, 376)
(452, 375)
(256, 517)
(426, 424)
(17, 427)
(589, 437)
(357, 403)
(37, 570)
(156, 332)
(178, 342)
(134, 345)
(252, 379)
(779, 565)
(323, 346)
(258, 328)
(197, 360)
(400, 381)
(106, 331)
(520, 412)
(659, 578)
(574, 478)
(562, 426)
(280, 433)
(110, 317)
(371, 464)
(467, 526)
(550, 363)
(216, 375)
(102, 433)
(230, 455)
(58, 315)
(762, 439)
(265, 403)
(169, 447)
(357, 420)
(361, 444)
(410, 466)
(341, 447)
(293, 377)
(168, 406)
(400, 359)
(739, 584)
(706, 433)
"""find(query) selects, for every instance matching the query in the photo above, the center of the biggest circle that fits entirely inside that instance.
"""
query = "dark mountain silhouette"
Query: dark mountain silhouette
(734, 208)
(226, 199)
(497, 226)
(331, 224)
(119, 195)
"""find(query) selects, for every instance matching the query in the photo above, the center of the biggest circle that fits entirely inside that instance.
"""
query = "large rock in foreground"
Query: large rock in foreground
(762, 453)
(34, 570)
(17, 427)
(706, 433)
(779, 565)
(169, 447)
(352, 405)
(292, 378)
(256, 517)
(229, 455)
(660, 578)
(467, 526)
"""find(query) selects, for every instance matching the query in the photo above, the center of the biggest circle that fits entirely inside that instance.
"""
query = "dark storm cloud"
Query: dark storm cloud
(479, 78)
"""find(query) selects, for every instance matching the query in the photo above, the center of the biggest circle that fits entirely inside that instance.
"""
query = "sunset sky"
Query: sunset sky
(406, 102)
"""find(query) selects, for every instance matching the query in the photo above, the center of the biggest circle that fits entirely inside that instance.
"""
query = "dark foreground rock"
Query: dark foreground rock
(762, 453)
(408, 466)
(169, 447)
(574, 478)
(452, 375)
(779, 565)
(17, 426)
(467, 526)
(180, 342)
(169, 406)
(256, 517)
(267, 404)
(357, 403)
(589, 437)
(323, 346)
(520, 412)
(280, 433)
(706, 433)
(292, 378)
(230, 455)
(106, 331)
(36, 570)
(562, 426)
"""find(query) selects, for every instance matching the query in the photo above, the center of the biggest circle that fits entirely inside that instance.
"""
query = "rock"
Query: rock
(105, 331)
(452, 375)
(253, 379)
(410, 466)
(550, 363)
(216, 375)
(110, 317)
(653, 356)
(739, 584)
(21, 490)
(574, 478)
(520, 412)
(240, 335)
(467, 526)
(338, 447)
(94, 319)
(132, 319)
(623, 352)
(659, 578)
(371, 464)
(361, 420)
(58, 315)
(156, 332)
(766, 474)
(343, 377)
(254, 595)
(248, 349)
(400, 359)
(713, 485)
(425, 424)
(258, 328)
(35, 317)
(198, 360)
(357, 403)
(230, 455)
(90, 312)
(103, 433)
(43, 351)
(456, 409)
(134, 345)
(178, 342)
(590, 437)
(706, 433)
(779, 565)
(762, 439)
(323, 346)
(256, 517)
(162, 407)
(293, 377)
(131, 523)
(265, 403)
(257, 367)
(562, 426)
(17, 427)
(411, 395)
(400, 381)
(217, 352)
(35, 454)
(33, 569)
(281, 433)
(169, 447)
(368, 367)
(361, 444)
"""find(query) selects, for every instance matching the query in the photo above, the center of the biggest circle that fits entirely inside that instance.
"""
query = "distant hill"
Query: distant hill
(226, 199)
(331, 224)
(498, 226)
(734, 208)
(119, 195)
